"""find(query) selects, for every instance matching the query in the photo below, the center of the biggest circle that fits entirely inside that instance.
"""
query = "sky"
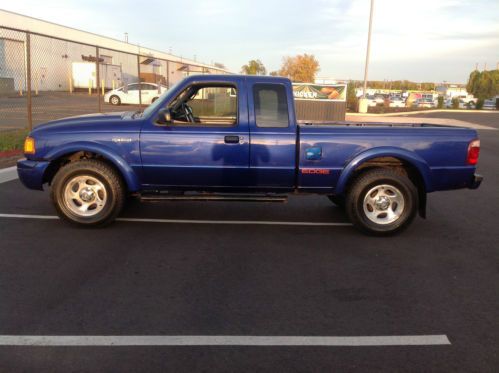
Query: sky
(423, 40)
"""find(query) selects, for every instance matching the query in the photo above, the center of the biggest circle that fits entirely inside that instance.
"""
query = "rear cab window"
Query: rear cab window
(271, 105)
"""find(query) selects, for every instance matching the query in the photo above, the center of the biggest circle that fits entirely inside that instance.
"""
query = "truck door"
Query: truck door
(273, 136)
(205, 145)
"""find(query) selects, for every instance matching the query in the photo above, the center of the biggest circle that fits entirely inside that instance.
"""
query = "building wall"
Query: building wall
(52, 59)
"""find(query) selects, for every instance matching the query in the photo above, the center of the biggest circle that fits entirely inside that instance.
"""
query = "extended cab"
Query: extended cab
(237, 138)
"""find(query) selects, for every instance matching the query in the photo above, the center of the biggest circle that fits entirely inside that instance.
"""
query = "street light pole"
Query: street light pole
(368, 48)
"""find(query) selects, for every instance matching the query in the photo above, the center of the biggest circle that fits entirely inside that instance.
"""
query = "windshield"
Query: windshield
(151, 108)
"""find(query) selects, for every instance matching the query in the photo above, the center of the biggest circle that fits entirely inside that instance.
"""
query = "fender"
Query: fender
(125, 170)
(385, 151)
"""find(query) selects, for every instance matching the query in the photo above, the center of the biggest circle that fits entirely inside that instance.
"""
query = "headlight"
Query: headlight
(29, 145)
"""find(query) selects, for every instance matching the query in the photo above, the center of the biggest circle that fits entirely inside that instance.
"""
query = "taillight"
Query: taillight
(473, 152)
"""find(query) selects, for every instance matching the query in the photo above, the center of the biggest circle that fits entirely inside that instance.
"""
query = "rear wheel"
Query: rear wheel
(115, 100)
(382, 202)
(88, 192)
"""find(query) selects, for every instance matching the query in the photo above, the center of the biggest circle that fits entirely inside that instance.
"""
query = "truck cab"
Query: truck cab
(230, 133)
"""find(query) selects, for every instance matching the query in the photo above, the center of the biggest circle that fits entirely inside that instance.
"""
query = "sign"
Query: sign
(320, 92)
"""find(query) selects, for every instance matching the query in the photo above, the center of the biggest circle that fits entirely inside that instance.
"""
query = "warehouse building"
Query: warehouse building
(64, 59)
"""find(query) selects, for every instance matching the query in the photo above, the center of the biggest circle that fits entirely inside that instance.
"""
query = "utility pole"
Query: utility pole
(368, 48)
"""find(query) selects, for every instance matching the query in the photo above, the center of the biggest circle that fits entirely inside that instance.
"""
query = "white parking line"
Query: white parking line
(8, 174)
(180, 221)
(220, 340)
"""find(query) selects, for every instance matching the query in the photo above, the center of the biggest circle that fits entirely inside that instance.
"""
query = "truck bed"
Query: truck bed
(438, 151)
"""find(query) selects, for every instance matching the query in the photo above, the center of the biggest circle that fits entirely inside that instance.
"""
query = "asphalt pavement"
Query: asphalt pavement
(215, 270)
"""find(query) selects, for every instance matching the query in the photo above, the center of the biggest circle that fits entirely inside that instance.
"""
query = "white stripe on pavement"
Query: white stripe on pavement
(8, 174)
(180, 221)
(220, 340)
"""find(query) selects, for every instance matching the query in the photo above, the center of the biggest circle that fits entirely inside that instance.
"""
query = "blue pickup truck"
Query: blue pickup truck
(216, 137)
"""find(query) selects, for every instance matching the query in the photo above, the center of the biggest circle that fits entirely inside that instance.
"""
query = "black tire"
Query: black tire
(370, 180)
(337, 200)
(107, 176)
(114, 100)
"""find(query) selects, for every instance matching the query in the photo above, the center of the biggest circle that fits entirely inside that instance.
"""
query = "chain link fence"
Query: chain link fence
(43, 78)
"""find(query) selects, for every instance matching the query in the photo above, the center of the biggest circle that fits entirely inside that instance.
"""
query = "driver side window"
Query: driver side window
(211, 106)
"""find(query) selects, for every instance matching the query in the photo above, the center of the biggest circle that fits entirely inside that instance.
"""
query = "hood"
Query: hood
(85, 122)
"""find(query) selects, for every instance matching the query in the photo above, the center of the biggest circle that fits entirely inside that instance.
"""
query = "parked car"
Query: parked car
(426, 103)
(371, 101)
(198, 142)
(129, 94)
(397, 102)
(463, 104)
(489, 105)
(380, 99)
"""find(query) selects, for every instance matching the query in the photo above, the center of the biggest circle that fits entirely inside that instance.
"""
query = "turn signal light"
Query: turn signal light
(473, 152)
(29, 145)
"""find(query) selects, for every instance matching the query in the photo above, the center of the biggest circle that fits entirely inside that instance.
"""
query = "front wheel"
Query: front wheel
(382, 202)
(115, 100)
(88, 193)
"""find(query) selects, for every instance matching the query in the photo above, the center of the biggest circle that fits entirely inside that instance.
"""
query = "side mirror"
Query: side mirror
(164, 117)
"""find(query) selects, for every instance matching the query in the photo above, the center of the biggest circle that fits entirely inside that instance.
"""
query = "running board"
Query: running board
(213, 197)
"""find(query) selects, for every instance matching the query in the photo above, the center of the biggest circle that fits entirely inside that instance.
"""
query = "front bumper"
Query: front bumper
(31, 173)
(475, 181)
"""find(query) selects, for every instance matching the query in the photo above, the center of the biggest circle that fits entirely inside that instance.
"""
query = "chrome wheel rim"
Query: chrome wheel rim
(384, 204)
(85, 195)
(114, 100)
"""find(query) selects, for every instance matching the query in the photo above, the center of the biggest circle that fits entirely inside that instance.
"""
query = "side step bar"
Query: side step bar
(160, 197)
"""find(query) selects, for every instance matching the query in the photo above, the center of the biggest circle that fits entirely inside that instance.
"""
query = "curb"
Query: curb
(10, 153)
(401, 113)
(8, 174)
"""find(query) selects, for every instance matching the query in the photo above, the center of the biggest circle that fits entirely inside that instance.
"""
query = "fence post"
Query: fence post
(168, 74)
(97, 78)
(28, 81)
(140, 85)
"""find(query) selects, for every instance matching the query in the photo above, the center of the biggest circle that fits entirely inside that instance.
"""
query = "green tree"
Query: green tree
(352, 100)
(254, 67)
(300, 68)
(483, 84)
(440, 102)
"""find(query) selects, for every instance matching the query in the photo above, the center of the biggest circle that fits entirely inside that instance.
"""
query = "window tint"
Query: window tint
(149, 87)
(213, 106)
(133, 87)
(271, 106)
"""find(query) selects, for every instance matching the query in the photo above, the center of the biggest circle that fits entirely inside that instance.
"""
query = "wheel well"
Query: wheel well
(65, 159)
(400, 166)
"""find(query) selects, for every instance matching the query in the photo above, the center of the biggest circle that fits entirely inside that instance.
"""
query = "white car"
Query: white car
(489, 105)
(129, 94)
(397, 102)
(371, 101)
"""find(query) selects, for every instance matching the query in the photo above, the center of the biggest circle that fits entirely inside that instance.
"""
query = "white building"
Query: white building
(59, 56)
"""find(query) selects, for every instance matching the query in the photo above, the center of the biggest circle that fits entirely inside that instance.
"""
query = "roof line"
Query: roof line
(183, 60)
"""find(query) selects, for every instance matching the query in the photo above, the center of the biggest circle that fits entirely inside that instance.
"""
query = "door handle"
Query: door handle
(231, 139)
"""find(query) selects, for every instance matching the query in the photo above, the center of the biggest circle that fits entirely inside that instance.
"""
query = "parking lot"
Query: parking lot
(227, 286)
(49, 106)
